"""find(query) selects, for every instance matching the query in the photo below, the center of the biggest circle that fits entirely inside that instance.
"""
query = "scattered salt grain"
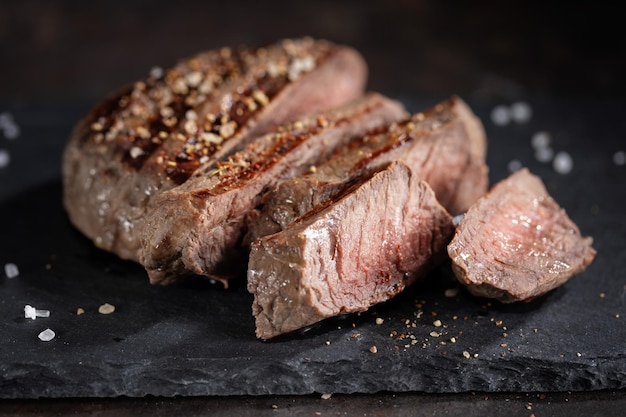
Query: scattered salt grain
(156, 72)
(4, 158)
(500, 115)
(619, 158)
(135, 152)
(8, 126)
(514, 165)
(31, 312)
(47, 335)
(326, 396)
(563, 163)
(106, 308)
(457, 219)
(540, 140)
(11, 270)
(521, 112)
(544, 154)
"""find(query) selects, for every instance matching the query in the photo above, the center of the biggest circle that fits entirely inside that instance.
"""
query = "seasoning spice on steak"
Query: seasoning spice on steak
(516, 243)
(153, 135)
(444, 145)
(196, 228)
(363, 247)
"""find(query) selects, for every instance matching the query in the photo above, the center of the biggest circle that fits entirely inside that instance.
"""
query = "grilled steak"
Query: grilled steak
(363, 247)
(152, 136)
(445, 146)
(196, 227)
(516, 243)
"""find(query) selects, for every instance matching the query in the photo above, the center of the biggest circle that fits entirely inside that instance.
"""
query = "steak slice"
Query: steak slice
(516, 243)
(196, 228)
(153, 135)
(363, 247)
(445, 146)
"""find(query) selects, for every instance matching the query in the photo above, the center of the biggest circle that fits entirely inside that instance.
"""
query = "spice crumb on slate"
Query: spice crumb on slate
(80, 311)
(374, 349)
(379, 321)
(11, 270)
(326, 396)
(47, 335)
(106, 308)
(451, 292)
(437, 323)
(466, 354)
(602, 295)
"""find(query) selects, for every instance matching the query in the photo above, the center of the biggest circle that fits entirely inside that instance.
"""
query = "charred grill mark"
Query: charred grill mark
(396, 141)
(233, 172)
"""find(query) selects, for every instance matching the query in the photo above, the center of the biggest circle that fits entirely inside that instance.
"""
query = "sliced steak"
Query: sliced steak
(364, 247)
(516, 243)
(196, 227)
(153, 135)
(445, 146)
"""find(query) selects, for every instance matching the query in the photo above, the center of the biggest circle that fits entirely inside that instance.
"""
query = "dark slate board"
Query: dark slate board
(198, 339)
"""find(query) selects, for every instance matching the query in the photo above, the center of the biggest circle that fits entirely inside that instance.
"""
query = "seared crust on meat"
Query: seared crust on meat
(153, 135)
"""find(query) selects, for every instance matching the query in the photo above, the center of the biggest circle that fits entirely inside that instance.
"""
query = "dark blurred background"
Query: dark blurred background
(82, 50)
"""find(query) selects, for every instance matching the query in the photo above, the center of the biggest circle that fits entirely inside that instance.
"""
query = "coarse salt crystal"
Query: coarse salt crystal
(31, 312)
(47, 335)
(457, 219)
(514, 165)
(8, 126)
(5, 158)
(521, 112)
(544, 154)
(11, 270)
(563, 163)
(156, 72)
(11, 132)
(619, 158)
(135, 152)
(500, 115)
(540, 140)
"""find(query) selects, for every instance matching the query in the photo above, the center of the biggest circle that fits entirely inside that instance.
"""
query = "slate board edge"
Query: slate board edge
(222, 378)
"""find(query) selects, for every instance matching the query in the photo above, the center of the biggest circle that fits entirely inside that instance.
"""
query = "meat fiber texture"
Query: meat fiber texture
(153, 135)
(445, 145)
(516, 243)
(363, 248)
(197, 228)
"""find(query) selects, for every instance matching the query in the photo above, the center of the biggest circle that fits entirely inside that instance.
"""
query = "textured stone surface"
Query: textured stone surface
(198, 339)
